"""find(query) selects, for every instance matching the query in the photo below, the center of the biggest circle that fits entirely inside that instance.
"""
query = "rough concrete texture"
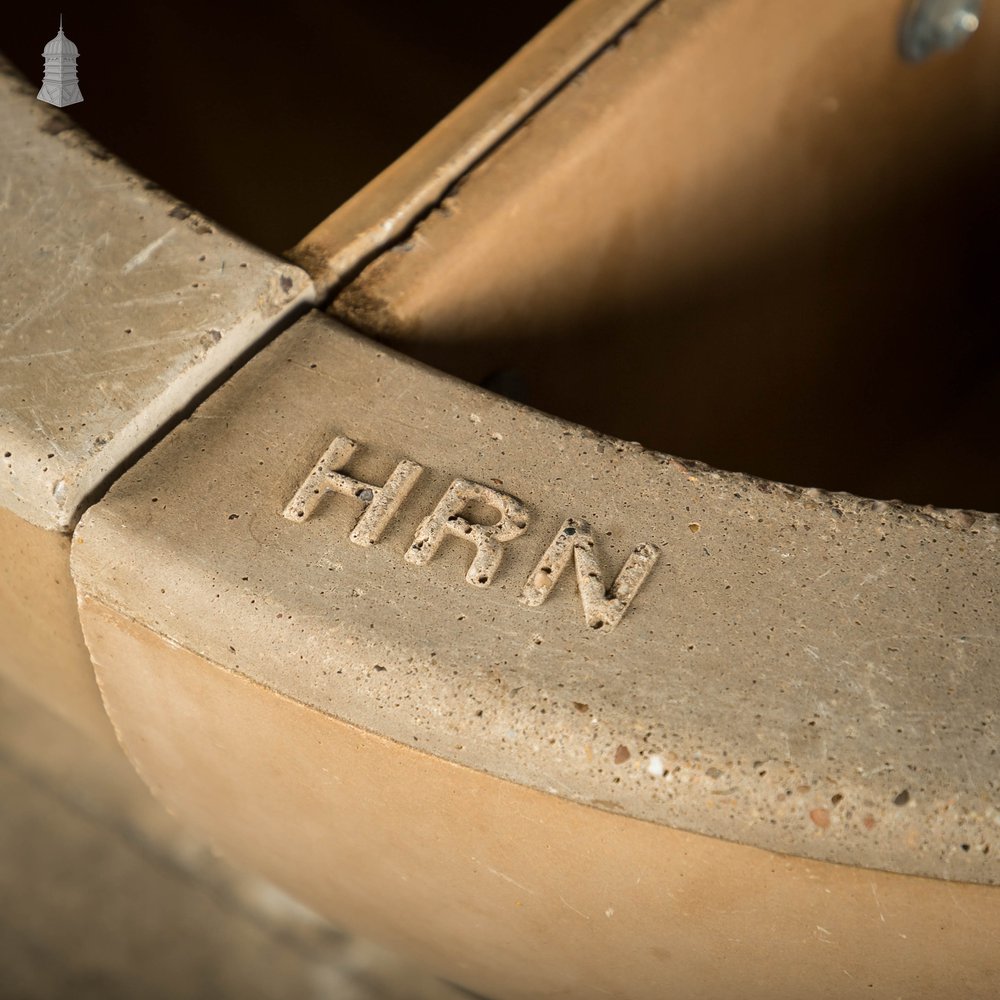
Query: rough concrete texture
(117, 306)
(107, 896)
(808, 673)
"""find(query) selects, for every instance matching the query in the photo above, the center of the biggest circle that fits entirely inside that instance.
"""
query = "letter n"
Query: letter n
(603, 607)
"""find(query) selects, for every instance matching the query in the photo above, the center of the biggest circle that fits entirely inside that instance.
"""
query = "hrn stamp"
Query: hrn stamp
(603, 605)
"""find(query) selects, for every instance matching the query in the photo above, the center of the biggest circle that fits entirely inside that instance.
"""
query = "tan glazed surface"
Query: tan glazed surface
(41, 645)
(510, 891)
(709, 134)
(805, 673)
(383, 210)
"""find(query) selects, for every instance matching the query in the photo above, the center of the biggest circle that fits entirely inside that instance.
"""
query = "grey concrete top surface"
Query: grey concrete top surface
(117, 305)
(805, 672)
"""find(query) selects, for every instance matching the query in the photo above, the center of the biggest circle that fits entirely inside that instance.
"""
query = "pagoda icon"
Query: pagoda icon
(59, 85)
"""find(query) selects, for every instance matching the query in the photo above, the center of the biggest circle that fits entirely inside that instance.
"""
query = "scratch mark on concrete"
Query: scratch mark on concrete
(81, 266)
(146, 252)
(50, 438)
(167, 337)
(39, 354)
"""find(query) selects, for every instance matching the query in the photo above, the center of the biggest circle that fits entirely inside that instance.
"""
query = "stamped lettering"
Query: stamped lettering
(381, 502)
(603, 606)
(488, 539)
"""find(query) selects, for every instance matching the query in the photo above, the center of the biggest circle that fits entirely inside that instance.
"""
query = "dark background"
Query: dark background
(267, 117)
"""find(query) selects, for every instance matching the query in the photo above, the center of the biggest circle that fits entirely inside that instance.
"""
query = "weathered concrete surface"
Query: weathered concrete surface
(117, 306)
(805, 673)
(105, 896)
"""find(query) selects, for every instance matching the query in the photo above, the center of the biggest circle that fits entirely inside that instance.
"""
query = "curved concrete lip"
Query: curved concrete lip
(804, 672)
(808, 673)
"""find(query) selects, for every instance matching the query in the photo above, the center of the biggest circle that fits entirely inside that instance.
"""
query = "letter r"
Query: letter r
(488, 539)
